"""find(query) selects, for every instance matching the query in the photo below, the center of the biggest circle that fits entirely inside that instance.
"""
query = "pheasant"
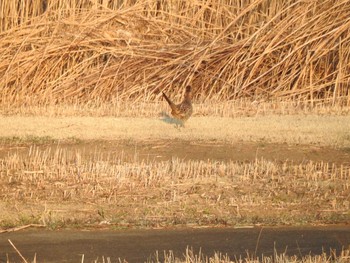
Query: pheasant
(183, 111)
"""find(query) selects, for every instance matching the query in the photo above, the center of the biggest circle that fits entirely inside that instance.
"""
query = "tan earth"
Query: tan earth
(33, 196)
(294, 137)
(161, 150)
(261, 142)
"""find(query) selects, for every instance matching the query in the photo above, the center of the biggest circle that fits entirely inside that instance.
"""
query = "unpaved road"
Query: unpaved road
(140, 245)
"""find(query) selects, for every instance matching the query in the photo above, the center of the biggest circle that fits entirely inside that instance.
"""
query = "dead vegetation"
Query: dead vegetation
(191, 256)
(56, 187)
(95, 52)
(233, 109)
(112, 58)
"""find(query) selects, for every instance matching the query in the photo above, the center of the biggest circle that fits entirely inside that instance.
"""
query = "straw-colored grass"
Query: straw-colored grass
(331, 131)
(109, 51)
(66, 187)
(191, 256)
(236, 108)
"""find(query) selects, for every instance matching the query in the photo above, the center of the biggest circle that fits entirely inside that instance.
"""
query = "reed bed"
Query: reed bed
(88, 52)
(60, 187)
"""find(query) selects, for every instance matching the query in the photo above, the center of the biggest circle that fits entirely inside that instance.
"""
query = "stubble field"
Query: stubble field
(143, 172)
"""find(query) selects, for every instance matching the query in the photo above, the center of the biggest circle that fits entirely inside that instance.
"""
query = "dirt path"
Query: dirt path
(140, 245)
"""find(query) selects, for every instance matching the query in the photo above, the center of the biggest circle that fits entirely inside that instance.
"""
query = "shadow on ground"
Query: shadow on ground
(162, 150)
(170, 120)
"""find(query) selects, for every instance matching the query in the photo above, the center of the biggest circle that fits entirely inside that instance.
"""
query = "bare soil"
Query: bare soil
(162, 150)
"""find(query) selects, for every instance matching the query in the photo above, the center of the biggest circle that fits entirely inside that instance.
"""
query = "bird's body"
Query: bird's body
(182, 111)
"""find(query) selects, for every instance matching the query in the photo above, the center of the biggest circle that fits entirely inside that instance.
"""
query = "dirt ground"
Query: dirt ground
(35, 196)
(295, 138)
(161, 150)
(142, 245)
(128, 160)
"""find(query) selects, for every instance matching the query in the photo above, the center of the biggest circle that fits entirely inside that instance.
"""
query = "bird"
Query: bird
(182, 111)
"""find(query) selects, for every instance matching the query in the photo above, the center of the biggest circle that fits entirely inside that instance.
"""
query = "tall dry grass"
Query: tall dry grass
(101, 51)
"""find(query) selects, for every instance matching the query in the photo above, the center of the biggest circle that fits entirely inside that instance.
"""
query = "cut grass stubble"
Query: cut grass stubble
(60, 187)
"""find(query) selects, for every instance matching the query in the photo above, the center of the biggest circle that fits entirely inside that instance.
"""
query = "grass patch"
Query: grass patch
(291, 129)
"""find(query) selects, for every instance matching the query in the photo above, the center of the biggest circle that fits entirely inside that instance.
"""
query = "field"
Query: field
(83, 142)
(191, 176)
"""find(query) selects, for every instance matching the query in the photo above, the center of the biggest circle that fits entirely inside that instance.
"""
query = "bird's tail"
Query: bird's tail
(168, 100)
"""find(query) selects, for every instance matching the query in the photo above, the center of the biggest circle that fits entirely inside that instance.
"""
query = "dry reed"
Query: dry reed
(76, 52)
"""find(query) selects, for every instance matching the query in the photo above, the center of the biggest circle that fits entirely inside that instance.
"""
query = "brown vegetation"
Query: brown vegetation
(190, 256)
(59, 187)
(114, 58)
(107, 51)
